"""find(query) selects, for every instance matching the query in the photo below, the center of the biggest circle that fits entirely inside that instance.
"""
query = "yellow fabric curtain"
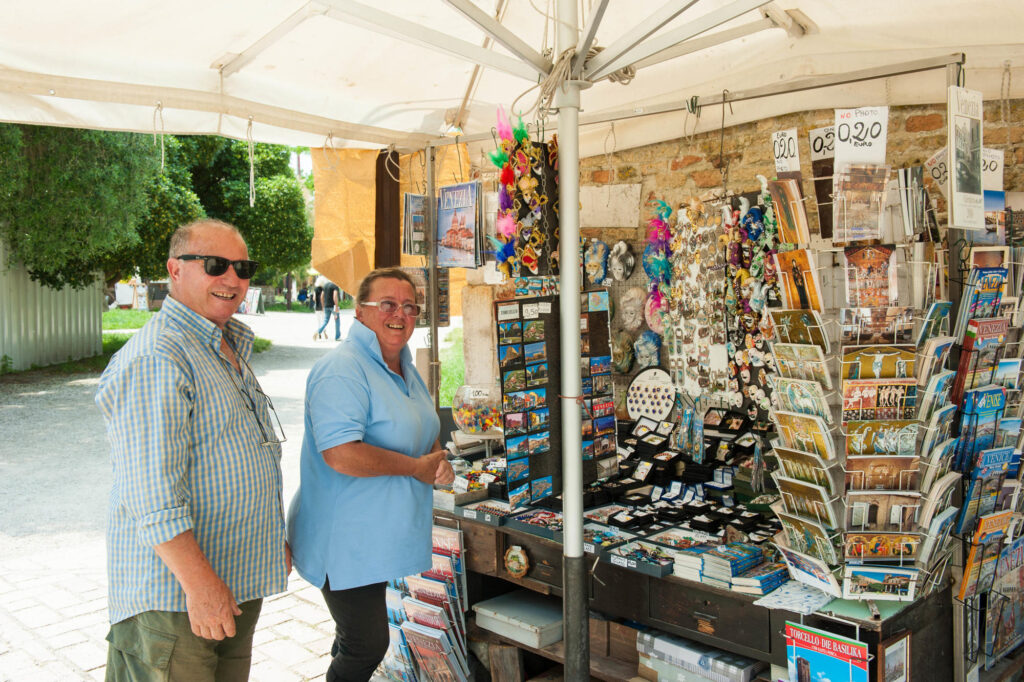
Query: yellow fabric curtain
(344, 228)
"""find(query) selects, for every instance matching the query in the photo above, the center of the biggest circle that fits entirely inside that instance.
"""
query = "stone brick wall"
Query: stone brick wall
(679, 169)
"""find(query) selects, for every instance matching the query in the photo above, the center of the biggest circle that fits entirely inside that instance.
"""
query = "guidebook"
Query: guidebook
(814, 655)
(982, 409)
(980, 567)
(1004, 628)
(986, 479)
(458, 207)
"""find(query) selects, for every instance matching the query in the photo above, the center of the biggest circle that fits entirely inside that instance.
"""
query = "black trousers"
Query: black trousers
(361, 631)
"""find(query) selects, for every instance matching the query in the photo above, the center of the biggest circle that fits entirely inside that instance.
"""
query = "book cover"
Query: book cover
(871, 276)
(1004, 628)
(986, 479)
(457, 225)
(433, 652)
(982, 409)
(986, 543)
(964, 123)
(435, 617)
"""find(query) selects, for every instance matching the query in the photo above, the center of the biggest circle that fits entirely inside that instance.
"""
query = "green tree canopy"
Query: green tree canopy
(71, 198)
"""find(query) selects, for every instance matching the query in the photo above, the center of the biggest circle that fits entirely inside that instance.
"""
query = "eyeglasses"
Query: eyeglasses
(388, 306)
(267, 439)
(215, 266)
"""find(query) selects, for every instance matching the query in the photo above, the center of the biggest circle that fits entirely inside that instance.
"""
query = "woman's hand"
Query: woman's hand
(444, 474)
(428, 466)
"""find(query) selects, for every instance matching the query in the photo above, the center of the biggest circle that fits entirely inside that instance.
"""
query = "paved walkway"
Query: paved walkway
(54, 483)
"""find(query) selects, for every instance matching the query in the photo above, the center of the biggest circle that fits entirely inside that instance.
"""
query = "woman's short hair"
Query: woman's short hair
(382, 273)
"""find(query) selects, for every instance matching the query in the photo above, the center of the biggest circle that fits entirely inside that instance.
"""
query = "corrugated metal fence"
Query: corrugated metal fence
(43, 326)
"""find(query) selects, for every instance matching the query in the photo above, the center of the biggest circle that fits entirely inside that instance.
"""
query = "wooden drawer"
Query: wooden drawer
(618, 592)
(710, 613)
(481, 544)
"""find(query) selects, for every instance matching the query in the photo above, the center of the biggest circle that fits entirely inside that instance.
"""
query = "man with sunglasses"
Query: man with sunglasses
(195, 532)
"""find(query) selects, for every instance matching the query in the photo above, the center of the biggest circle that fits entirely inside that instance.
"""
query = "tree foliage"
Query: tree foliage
(75, 200)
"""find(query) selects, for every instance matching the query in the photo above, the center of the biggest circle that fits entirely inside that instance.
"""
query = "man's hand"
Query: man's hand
(429, 464)
(287, 559)
(444, 474)
(212, 609)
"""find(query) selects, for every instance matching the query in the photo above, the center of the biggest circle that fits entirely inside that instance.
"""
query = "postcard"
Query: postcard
(537, 374)
(881, 510)
(536, 352)
(513, 380)
(810, 571)
(936, 321)
(865, 399)
(800, 326)
(871, 276)
(515, 423)
(805, 432)
(518, 469)
(859, 201)
(936, 396)
(517, 497)
(798, 395)
(940, 425)
(862, 326)
(894, 437)
(806, 499)
(540, 488)
(890, 547)
(539, 419)
(533, 330)
(510, 356)
(804, 466)
(802, 361)
(807, 535)
(795, 597)
(885, 583)
(940, 461)
(933, 357)
(883, 473)
(878, 362)
(510, 332)
(790, 216)
(540, 443)
(517, 447)
(798, 280)
(1008, 373)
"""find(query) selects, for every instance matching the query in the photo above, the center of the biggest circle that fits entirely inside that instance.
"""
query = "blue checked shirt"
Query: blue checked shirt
(186, 454)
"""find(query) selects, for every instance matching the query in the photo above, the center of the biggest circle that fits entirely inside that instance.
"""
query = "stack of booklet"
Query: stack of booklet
(723, 563)
(673, 657)
(688, 562)
(761, 579)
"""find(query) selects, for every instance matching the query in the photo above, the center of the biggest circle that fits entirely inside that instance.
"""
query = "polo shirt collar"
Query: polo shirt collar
(206, 332)
(364, 337)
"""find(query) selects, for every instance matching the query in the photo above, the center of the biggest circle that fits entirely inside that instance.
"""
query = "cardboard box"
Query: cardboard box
(622, 642)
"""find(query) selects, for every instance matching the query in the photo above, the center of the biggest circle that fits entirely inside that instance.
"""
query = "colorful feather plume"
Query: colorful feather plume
(504, 127)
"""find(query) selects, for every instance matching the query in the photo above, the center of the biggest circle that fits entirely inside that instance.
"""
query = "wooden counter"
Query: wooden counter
(722, 618)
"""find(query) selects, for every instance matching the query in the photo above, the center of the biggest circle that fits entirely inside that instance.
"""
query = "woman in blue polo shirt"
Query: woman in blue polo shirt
(370, 454)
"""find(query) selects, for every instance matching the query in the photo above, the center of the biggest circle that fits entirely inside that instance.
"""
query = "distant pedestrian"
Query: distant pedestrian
(331, 298)
(195, 531)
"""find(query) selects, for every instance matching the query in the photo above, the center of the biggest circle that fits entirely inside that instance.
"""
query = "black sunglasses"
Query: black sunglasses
(215, 266)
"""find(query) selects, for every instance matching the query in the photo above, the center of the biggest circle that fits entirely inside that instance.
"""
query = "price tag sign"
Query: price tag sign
(460, 484)
(588, 547)
(477, 393)
(469, 513)
(545, 307)
(938, 168)
(823, 143)
(619, 561)
(508, 311)
(860, 135)
(487, 478)
(786, 151)
(991, 170)
(530, 311)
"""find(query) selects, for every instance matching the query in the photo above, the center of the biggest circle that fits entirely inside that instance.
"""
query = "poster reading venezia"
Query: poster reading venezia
(456, 226)
(967, 205)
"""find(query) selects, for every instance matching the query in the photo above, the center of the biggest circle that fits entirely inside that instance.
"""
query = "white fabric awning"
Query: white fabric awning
(397, 72)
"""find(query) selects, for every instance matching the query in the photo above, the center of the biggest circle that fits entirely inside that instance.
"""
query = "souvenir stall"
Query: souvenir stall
(800, 419)
(772, 434)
